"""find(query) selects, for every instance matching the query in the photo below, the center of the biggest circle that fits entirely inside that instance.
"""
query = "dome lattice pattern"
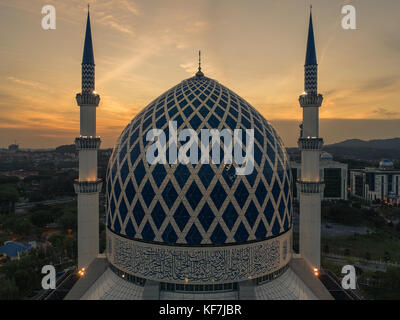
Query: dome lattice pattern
(203, 204)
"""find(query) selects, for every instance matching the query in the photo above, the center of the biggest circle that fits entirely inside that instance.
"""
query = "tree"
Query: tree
(18, 224)
(8, 289)
(7, 179)
(69, 220)
(386, 256)
(9, 195)
(24, 228)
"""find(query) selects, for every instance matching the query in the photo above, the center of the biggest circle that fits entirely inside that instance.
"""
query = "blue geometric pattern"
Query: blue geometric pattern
(203, 204)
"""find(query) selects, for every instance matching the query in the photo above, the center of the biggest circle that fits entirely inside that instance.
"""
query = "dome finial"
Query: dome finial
(199, 72)
(199, 60)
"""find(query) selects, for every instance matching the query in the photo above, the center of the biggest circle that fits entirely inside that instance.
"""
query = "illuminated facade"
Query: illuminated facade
(198, 231)
(310, 186)
(373, 184)
(333, 173)
(88, 185)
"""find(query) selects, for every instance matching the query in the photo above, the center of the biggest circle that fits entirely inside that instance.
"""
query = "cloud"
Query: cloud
(197, 26)
(114, 22)
(131, 7)
(189, 67)
(379, 83)
(385, 113)
(26, 83)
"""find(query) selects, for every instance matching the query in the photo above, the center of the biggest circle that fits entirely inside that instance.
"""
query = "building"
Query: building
(187, 230)
(310, 186)
(333, 173)
(13, 249)
(88, 186)
(13, 147)
(376, 183)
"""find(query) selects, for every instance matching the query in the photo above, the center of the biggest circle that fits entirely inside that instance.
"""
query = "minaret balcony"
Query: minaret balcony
(310, 187)
(88, 186)
(310, 144)
(91, 100)
(87, 143)
(310, 100)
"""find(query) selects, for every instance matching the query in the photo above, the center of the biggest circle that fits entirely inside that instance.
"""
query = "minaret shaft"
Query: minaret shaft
(88, 185)
(310, 185)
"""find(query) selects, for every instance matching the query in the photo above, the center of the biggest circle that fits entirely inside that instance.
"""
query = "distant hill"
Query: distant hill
(356, 149)
(366, 150)
(66, 149)
(392, 144)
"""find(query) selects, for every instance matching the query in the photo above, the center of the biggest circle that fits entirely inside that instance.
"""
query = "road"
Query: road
(21, 207)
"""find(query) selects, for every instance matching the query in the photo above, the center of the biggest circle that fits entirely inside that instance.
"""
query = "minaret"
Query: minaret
(88, 185)
(310, 144)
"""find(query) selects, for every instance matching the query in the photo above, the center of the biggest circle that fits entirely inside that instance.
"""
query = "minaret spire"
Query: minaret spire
(311, 66)
(88, 74)
(88, 57)
(311, 57)
(88, 185)
(310, 186)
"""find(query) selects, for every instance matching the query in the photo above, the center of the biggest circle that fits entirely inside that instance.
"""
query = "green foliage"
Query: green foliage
(372, 246)
(20, 225)
(43, 215)
(63, 245)
(8, 193)
(26, 272)
(386, 285)
(328, 265)
(69, 220)
(342, 212)
(8, 180)
(8, 289)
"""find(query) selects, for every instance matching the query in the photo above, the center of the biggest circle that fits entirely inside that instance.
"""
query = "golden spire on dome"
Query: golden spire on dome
(199, 72)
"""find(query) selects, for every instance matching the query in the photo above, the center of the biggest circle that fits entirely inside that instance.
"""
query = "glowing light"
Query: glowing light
(81, 272)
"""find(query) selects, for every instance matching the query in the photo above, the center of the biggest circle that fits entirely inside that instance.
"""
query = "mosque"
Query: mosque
(198, 231)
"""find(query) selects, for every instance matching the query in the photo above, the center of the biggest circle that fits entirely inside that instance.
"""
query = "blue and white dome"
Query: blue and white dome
(203, 204)
(200, 223)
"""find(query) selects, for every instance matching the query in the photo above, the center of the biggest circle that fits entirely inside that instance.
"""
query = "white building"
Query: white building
(376, 183)
(199, 231)
(333, 173)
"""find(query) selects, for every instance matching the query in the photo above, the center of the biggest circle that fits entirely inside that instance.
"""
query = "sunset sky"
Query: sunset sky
(144, 47)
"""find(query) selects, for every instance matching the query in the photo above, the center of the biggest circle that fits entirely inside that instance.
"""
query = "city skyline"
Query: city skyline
(141, 50)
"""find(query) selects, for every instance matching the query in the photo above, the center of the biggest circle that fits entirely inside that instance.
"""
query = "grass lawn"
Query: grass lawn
(375, 244)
